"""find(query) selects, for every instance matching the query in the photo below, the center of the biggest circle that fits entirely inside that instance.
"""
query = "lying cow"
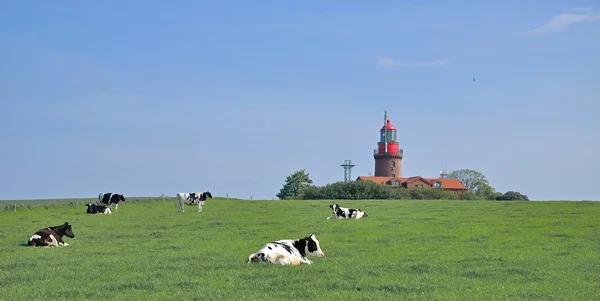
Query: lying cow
(98, 209)
(110, 198)
(288, 251)
(342, 212)
(51, 236)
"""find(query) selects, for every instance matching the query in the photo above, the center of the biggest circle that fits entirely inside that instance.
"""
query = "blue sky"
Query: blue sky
(150, 97)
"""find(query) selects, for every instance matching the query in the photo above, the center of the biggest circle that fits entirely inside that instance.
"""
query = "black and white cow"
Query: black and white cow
(192, 198)
(110, 198)
(98, 209)
(51, 236)
(288, 251)
(343, 212)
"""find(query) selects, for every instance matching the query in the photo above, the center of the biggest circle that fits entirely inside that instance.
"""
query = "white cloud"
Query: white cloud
(389, 62)
(563, 21)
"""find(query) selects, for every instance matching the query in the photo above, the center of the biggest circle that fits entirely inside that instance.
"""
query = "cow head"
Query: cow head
(122, 198)
(313, 246)
(208, 194)
(334, 207)
(68, 230)
(90, 208)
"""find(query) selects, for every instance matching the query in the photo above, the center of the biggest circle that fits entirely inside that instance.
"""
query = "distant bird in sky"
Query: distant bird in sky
(473, 79)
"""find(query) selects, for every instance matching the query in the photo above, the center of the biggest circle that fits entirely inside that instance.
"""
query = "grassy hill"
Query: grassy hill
(404, 250)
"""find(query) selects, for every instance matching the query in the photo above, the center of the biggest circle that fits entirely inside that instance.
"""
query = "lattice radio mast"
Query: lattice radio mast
(347, 170)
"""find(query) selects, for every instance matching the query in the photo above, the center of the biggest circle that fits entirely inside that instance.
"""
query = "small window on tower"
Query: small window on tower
(393, 164)
(393, 175)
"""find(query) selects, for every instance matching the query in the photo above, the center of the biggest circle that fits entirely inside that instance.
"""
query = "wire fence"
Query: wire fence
(17, 205)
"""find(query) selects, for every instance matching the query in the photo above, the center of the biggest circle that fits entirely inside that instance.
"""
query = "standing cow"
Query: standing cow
(110, 198)
(191, 199)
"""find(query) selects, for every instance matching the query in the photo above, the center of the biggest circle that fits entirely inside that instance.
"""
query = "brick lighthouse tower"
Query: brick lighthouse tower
(388, 155)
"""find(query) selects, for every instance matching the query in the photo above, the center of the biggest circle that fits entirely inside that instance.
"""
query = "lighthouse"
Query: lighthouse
(388, 155)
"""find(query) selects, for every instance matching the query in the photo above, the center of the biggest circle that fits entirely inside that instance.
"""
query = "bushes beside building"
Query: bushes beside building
(367, 190)
(299, 186)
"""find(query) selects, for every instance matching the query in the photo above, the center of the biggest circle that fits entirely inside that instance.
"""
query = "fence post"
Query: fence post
(15, 206)
(76, 202)
(227, 195)
(251, 198)
(163, 197)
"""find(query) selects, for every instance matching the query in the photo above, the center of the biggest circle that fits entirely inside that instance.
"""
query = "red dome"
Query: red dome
(389, 126)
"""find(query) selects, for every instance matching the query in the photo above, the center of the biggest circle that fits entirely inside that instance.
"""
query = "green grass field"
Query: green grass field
(404, 250)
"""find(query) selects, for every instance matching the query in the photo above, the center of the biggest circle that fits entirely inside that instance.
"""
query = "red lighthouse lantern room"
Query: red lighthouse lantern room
(388, 155)
(389, 137)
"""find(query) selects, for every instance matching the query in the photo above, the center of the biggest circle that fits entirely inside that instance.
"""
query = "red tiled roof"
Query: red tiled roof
(415, 178)
(450, 183)
(446, 183)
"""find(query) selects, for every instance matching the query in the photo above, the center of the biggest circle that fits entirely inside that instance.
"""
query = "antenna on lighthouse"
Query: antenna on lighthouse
(347, 167)
(385, 136)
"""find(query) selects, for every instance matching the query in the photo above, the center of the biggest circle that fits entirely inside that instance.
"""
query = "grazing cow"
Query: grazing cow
(51, 236)
(110, 198)
(288, 252)
(98, 209)
(342, 212)
(191, 199)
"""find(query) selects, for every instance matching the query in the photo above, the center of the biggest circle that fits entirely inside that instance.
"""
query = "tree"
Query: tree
(295, 183)
(486, 192)
(467, 195)
(513, 196)
(472, 179)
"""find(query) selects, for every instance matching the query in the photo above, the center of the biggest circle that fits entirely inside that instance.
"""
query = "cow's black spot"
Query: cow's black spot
(270, 248)
(300, 245)
(287, 248)
(312, 245)
(350, 212)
